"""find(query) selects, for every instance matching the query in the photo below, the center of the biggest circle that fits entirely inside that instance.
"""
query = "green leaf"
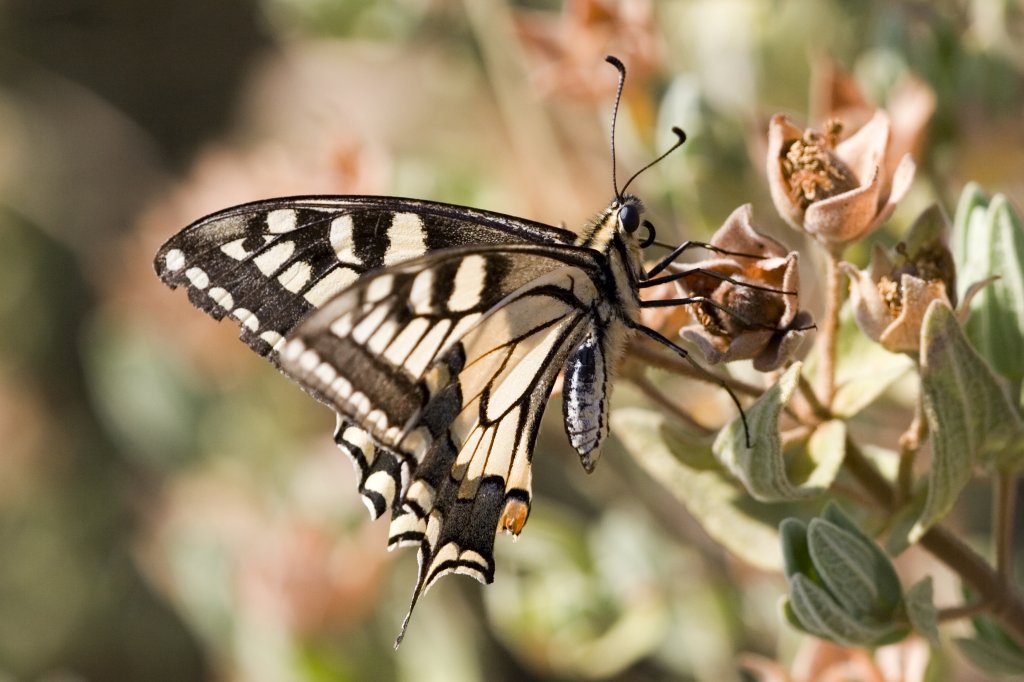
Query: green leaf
(889, 589)
(844, 567)
(989, 240)
(790, 615)
(989, 630)
(991, 657)
(761, 467)
(969, 228)
(842, 586)
(930, 227)
(902, 523)
(821, 615)
(970, 213)
(796, 555)
(920, 607)
(741, 525)
(969, 416)
(928, 240)
(857, 574)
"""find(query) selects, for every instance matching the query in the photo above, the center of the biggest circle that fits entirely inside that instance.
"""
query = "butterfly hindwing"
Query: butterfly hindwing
(462, 423)
(511, 361)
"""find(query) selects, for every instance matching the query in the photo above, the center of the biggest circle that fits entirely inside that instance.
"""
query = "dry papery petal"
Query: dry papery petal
(835, 94)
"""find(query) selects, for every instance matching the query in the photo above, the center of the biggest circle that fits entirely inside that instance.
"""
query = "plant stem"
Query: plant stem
(820, 412)
(1003, 602)
(962, 611)
(910, 443)
(1002, 522)
(829, 330)
(870, 479)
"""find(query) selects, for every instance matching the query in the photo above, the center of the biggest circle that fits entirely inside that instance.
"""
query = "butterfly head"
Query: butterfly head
(628, 214)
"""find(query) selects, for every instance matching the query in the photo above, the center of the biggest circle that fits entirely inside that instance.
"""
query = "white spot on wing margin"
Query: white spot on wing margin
(282, 220)
(174, 260)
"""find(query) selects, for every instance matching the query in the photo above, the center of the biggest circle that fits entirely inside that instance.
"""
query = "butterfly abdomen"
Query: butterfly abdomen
(584, 397)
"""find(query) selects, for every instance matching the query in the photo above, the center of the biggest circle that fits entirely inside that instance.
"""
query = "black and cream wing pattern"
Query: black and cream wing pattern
(435, 332)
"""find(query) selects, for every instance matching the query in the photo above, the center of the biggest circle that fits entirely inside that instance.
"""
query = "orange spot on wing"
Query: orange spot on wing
(513, 518)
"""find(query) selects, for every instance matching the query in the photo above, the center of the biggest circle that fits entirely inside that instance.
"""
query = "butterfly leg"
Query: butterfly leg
(672, 302)
(682, 274)
(681, 352)
(690, 244)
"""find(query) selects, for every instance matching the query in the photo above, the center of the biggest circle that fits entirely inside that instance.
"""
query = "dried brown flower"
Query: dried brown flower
(836, 191)
(745, 314)
(890, 298)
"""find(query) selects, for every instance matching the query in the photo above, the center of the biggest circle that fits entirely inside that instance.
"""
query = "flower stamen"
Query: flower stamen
(892, 294)
(812, 169)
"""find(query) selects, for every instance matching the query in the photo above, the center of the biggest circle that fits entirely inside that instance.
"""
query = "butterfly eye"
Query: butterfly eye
(629, 218)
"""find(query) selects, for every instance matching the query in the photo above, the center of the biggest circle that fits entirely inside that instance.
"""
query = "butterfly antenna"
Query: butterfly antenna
(679, 143)
(614, 61)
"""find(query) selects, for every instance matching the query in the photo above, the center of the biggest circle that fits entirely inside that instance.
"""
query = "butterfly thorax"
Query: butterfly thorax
(613, 234)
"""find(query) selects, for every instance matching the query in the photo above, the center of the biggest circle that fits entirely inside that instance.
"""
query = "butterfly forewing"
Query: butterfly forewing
(269, 264)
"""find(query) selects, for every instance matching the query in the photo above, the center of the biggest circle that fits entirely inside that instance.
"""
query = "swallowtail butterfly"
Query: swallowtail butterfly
(435, 332)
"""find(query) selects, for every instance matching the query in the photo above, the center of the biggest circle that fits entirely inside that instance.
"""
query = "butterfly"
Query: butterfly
(435, 332)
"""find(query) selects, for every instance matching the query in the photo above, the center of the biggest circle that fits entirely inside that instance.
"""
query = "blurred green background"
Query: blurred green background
(172, 509)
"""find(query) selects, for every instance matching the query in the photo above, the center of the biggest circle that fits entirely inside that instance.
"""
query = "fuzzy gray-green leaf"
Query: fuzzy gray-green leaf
(857, 574)
(990, 242)
(761, 467)
(819, 614)
(994, 659)
(826, 449)
(969, 416)
(887, 581)
(796, 555)
(969, 234)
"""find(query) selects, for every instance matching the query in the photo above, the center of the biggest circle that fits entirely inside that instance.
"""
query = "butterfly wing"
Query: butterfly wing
(447, 361)
(269, 264)
(455, 324)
